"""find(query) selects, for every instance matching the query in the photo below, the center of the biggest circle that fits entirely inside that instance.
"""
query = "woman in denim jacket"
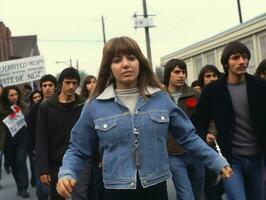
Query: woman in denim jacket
(130, 116)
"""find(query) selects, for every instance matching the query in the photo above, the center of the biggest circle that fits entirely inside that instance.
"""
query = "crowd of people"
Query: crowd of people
(127, 132)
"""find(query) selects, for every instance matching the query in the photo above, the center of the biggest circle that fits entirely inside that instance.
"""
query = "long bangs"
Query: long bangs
(122, 46)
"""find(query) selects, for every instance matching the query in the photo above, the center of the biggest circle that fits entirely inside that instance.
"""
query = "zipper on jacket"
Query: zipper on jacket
(136, 148)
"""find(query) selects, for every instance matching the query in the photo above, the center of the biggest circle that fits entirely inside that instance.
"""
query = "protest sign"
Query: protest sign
(20, 71)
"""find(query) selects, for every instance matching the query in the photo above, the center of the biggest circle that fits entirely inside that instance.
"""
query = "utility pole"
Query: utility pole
(145, 23)
(147, 33)
(103, 27)
(70, 62)
(239, 11)
(77, 65)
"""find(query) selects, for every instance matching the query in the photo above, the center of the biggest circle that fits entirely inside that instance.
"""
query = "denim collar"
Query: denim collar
(109, 92)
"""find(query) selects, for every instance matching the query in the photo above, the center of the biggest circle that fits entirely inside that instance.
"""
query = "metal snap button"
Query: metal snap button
(105, 126)
(132, 184)
(162, 118)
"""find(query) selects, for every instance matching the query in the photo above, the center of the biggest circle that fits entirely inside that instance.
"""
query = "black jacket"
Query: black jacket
(215, 104)
(53, 127)
(31, 118)
(20, 136)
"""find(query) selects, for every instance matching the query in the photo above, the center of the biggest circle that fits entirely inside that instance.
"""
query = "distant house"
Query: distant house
(24, 46)
(252, 33)
(5, 42)
(17, 47)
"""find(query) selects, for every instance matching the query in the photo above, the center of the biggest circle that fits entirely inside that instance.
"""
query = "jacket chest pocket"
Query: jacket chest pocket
(107, 130)
(160, 122)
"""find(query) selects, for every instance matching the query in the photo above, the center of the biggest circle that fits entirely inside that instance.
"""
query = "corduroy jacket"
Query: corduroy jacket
(184, 102)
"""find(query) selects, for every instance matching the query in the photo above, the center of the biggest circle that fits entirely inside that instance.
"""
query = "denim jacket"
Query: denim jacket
(117, 130)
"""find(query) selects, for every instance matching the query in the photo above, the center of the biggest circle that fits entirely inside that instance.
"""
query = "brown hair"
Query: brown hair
(4, 96)
(233, 48)
(124, 46)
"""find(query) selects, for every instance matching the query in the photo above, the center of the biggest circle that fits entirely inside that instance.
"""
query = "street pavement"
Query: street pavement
(9, 190)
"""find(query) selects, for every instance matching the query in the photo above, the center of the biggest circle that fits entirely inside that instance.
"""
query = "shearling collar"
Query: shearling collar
(109, 92)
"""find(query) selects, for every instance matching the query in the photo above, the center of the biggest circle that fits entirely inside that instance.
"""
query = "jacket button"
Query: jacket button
(132, 184)
(162, 118)
(105, 126)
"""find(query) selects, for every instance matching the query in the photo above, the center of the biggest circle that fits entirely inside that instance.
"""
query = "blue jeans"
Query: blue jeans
(247, 181)
(188, 175)
(41, 189)
(16, 156)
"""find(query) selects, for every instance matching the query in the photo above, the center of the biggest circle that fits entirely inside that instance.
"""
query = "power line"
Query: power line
(92, 41)
(70, 41)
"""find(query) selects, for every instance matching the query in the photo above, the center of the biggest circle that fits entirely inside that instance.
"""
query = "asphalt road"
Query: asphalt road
(9, 190)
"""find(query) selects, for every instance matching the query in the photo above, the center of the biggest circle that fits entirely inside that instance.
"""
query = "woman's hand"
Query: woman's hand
(226, 172)
(64, 187)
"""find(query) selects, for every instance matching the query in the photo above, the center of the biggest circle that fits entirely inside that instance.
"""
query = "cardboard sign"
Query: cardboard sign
(20, 71)
(15, 121)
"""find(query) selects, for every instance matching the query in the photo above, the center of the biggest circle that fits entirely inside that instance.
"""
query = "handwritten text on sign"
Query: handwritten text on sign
(23, 70)
(14, 121)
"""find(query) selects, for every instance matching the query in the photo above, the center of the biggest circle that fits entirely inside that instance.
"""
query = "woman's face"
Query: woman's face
(125, 69)
(91, 85)
(36, 97)
(12, 96)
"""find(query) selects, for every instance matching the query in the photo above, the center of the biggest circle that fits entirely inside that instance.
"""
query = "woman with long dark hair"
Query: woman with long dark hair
(88, 86)
(14, 125)
(35, 97)
(129, 117)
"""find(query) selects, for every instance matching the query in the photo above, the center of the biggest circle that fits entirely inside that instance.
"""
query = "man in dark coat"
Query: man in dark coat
(56, 117)
(48, 85)
(236, 104)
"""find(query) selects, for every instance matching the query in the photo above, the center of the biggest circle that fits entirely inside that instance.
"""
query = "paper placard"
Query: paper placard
(15, 121)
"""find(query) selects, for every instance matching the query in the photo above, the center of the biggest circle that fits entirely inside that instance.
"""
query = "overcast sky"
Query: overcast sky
(72, 28)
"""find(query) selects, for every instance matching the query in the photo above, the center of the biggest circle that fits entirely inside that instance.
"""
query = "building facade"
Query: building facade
(5, 42)
(17, 47)
(252, 33)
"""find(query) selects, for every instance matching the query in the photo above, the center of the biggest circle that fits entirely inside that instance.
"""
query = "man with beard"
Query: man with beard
(236, 104)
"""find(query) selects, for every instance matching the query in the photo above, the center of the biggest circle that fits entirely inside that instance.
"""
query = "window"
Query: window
(251, 67)
(210, 58)
(198, 63)
(263, 46)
